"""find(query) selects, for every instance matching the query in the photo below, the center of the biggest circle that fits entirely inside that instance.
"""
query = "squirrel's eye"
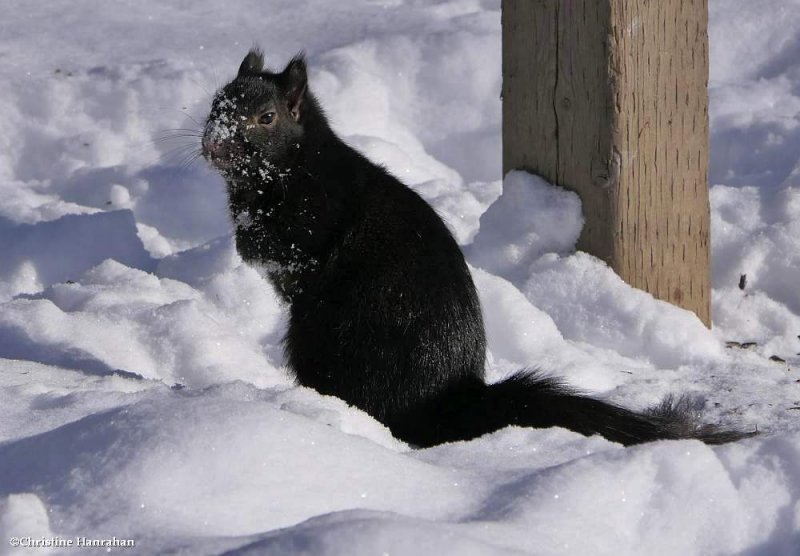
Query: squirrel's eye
(267, 118)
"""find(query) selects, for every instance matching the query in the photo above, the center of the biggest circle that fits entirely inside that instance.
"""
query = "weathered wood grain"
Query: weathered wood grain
(609, 98)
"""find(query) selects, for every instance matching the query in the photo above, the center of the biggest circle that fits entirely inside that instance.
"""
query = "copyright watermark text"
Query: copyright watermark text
(69, 542)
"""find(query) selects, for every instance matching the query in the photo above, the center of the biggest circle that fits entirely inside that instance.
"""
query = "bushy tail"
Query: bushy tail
(472, 408)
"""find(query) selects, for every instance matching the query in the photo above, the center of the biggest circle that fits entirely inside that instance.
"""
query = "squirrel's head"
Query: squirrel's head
(256, 121)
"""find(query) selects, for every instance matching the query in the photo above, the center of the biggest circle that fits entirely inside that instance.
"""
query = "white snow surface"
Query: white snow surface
(143, 392)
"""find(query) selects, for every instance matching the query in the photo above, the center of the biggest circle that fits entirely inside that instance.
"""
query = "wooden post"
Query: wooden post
(609, 98)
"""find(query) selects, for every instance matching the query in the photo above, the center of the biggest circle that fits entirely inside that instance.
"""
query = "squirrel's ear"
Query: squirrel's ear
(253, 63)
(296, 82)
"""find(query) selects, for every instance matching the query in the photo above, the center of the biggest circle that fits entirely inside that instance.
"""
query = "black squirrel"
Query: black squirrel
(383, 310)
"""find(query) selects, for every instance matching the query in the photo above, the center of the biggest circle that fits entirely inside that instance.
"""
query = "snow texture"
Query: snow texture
(143, 393)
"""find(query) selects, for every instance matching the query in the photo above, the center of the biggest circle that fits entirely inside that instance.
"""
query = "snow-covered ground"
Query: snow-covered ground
(142, 387)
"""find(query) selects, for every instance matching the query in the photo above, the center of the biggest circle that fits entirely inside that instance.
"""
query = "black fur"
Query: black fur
(383, 310)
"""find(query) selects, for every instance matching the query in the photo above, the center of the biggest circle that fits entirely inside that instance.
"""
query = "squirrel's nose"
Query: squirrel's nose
(211, 147)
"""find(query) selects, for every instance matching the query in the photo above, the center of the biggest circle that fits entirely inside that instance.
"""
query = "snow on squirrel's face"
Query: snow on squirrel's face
(254, 125)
